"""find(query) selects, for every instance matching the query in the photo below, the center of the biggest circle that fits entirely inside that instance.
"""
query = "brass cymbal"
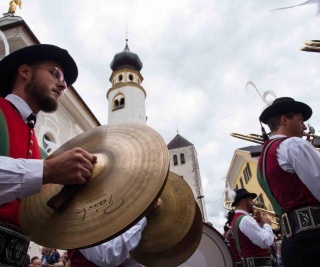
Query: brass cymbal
(130, 174)
(178, 253)
(176, 208)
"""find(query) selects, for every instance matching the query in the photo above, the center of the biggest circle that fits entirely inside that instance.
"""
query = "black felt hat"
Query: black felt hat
(283, 105)
(34, 53)
(242, 193)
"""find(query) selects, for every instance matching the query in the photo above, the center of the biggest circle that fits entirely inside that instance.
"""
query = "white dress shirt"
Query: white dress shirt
(19, 177)
(296, 155)
(260, 236)
(116, 251)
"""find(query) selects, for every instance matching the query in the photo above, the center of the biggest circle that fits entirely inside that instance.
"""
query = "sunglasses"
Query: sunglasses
(56, 73)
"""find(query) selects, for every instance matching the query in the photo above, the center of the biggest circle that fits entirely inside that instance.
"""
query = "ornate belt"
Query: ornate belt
(299, 220)
(257, 262)
(13, 245)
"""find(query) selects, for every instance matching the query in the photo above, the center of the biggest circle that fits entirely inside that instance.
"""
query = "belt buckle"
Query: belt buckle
(248, 262)
(305, 219)
(286, 225)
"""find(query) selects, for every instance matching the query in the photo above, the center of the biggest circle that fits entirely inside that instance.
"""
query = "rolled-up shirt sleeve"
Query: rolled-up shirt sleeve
(19, 178)
(115, 251)
(260, 236)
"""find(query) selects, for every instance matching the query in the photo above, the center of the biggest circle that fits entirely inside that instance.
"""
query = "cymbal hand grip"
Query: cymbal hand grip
(60, 201)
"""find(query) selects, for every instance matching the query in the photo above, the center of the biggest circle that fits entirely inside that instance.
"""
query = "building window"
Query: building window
(247, 173)
(175, 160)
(241, 182)
(182, 159)
(130, 77)
(118, 102)
(120, 77)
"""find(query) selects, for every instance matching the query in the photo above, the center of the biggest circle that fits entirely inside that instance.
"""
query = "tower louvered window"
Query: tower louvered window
(118, 102)
(175, 160)
(182, 159)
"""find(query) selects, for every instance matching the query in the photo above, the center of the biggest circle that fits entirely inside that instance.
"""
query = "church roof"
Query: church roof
(126, 59)
(178, 141)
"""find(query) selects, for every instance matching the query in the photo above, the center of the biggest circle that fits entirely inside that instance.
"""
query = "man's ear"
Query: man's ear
(24, 71)
(284, 120)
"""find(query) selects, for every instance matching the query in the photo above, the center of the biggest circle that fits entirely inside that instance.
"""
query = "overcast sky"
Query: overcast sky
(198, 56)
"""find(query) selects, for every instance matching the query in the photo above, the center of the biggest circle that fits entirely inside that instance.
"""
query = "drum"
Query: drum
(211, 252)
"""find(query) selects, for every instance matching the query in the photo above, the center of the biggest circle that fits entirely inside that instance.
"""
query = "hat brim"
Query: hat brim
(285, 107)
(34, 53)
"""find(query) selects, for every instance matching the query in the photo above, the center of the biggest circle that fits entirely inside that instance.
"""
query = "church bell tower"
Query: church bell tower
(126, 96)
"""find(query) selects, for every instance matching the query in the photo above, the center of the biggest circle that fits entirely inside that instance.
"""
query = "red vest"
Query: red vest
(233, 249)
(248, 249)
(20, 138)
(78, 260)
(286, 187)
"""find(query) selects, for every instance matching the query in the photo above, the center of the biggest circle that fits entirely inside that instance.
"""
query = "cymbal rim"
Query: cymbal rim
(178, 253)
(171, 225)
(74, 228)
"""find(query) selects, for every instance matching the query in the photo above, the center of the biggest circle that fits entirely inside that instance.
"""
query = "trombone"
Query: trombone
(258, 206)
(250, 137)
(256, 138)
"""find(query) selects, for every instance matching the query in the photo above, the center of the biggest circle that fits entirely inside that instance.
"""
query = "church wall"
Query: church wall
(190, 172)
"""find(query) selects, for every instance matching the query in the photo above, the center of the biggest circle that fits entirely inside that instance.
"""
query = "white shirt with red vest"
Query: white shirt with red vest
(19, 177)
(260, 236)
(296, 155)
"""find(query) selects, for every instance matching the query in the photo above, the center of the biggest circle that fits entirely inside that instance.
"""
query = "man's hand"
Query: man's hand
(262, 219)
(71, 167)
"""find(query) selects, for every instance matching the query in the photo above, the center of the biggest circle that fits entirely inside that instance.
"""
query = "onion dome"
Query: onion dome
(126, 59)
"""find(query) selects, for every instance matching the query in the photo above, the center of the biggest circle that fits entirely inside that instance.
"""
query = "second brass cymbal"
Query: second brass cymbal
(178, 253)
(129, 176)
(173, 219)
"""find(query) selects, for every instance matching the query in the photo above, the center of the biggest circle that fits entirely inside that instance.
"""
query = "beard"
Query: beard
(39, 93)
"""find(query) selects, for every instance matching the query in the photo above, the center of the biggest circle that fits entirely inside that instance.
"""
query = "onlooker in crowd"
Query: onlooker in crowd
(253, 236)
(53, 256)
(36, 262)
(64, 257)
(44, 252)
